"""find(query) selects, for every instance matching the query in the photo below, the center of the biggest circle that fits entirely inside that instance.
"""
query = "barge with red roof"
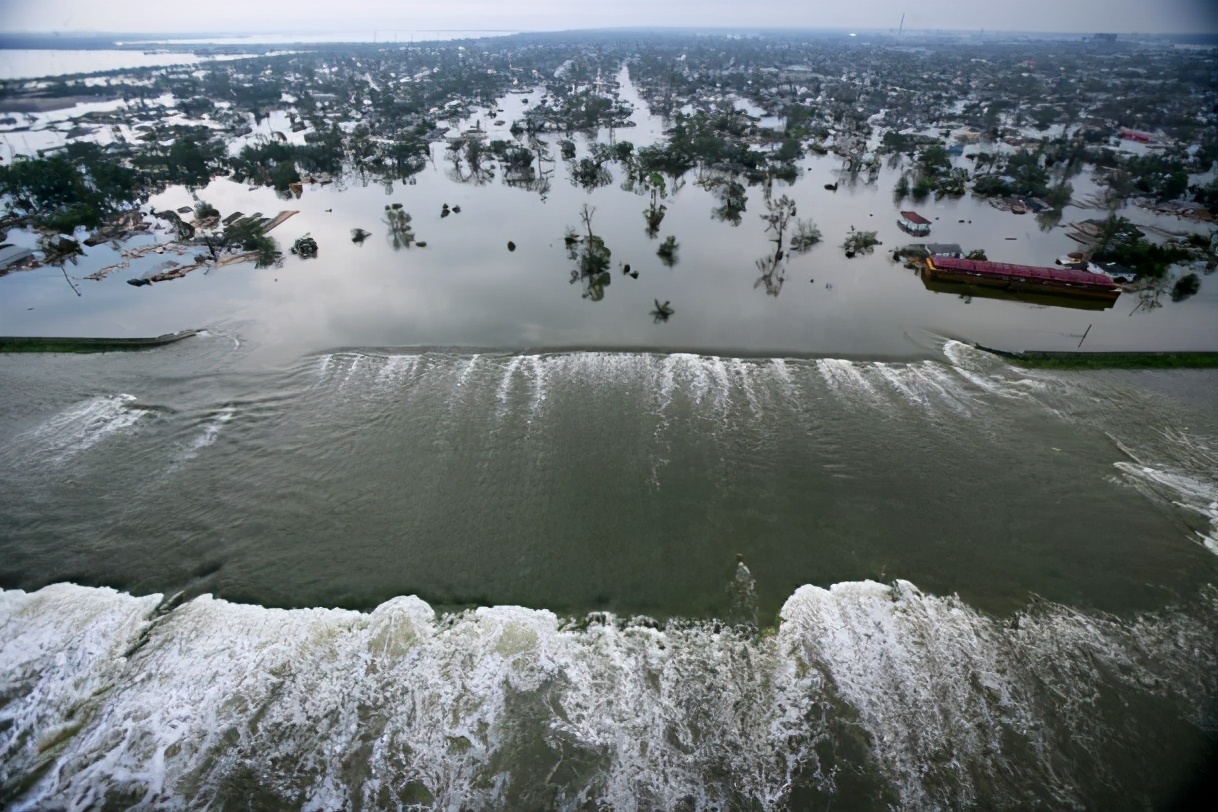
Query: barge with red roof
(1022, 278)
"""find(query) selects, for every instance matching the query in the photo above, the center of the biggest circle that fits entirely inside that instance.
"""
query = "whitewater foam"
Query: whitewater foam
(212, 430)
(1180, 468)
(80, 427)
(111, 702)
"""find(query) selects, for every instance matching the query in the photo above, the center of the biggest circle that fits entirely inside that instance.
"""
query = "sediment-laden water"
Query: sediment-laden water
(602, 580)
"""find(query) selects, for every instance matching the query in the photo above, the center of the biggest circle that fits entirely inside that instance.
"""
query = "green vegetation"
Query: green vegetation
(64, 192)
(1122, 242)
(592, 262)
(661, 312)
(733, 200)
(191, 159)
(1022, 173)
(248, 235)
(778, 214)
(805, 236)
(859, 242)
(654, 214)
(1185, 287)
(400, 233)
(206, 211)
(667, 252)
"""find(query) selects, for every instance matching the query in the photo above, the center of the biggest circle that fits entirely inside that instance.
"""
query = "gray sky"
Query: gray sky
(271, 16)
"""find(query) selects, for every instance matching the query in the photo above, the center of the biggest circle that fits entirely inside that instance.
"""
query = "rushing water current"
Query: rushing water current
(586, 580)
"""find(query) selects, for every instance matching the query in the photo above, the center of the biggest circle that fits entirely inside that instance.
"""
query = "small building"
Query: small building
(914, 223)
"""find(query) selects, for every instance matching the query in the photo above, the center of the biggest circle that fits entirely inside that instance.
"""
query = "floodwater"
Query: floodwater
(465, 289)
(19, 63)
(428, 529)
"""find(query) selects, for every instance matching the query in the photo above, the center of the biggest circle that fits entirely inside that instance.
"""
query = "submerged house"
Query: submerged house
(945, 249)
(914, 223)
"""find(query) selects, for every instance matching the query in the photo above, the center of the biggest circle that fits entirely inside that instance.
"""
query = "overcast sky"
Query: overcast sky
(275, 16)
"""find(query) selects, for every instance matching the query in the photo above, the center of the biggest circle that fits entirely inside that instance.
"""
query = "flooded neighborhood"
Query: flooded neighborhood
(1088, 155)
(760, 418)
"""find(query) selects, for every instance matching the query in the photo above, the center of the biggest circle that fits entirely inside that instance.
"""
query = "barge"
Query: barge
(1022, 278)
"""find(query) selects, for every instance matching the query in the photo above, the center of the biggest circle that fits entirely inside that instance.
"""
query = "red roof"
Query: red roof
(914, 217)
(1064, 275)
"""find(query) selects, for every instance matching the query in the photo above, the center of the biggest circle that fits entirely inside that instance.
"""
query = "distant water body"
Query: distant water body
(382, 36)
(34, 64)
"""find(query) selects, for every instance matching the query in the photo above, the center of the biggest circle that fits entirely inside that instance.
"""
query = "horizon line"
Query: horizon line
(523, 31)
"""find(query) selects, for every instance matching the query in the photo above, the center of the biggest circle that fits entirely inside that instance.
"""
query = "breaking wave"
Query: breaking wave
(80, 427)
(715, 384)
(1187, 478)
(116, 700)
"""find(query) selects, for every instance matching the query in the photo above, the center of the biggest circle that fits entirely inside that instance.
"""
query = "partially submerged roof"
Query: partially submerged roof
(914, 217)
(12, 254)
(944, 248)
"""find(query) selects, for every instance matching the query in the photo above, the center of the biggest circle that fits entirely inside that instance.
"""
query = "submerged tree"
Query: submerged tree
(473, 152)
(358, 235)
(773, 273)
(778, 215)
(1185, 287)
(661, 312)
(667, 251)
(400, 233)
(589, 174)
(859, 242)
(592, 260)
(205, 212)
(654, 214)
(733, 200)
(805, 236)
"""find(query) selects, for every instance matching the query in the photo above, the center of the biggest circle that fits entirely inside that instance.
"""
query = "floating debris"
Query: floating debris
(101, 274)
(305, 247)
(279, 220)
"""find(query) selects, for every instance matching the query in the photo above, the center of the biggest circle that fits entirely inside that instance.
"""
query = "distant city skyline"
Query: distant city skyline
(311, 16)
